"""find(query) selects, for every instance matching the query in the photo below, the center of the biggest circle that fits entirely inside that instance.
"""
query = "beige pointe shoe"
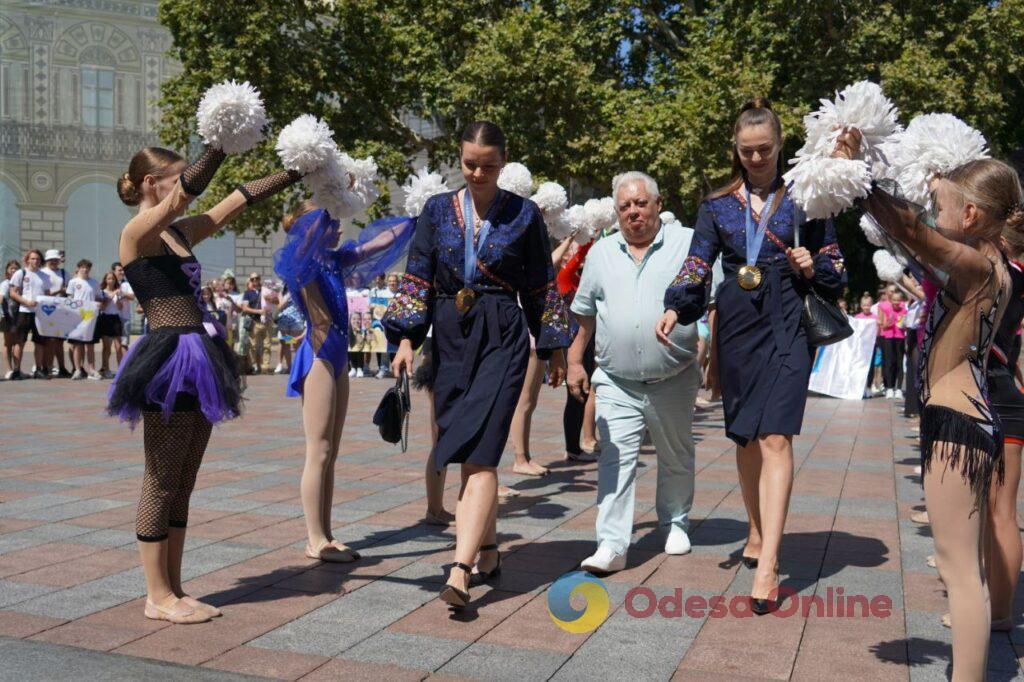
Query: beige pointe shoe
(931, 561)
(202, 607)
(178, 612)
(920, 517)
(342, 547)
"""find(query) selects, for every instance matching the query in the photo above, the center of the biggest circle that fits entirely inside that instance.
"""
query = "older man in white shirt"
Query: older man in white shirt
(641, 385)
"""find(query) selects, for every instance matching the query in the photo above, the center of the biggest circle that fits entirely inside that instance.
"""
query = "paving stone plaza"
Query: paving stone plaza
(71, 589)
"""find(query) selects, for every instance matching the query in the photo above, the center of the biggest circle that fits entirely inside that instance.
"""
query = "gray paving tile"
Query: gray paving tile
(406, 650)
(12, 592)
(493, 662)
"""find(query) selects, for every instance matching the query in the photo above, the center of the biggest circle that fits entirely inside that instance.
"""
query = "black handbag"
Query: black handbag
(824, 322)
(392, 414)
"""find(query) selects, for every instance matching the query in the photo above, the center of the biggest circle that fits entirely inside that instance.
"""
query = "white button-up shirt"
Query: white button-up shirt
(626, 297)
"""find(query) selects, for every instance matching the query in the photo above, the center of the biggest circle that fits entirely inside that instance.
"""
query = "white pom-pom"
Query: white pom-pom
(669, 220)
(888, 268)
(825, 186)
(871, 230)
(575, 219)
(598, 215)
(231, 117)
(550, 197)
(931, 146)
(557, 224)
(306, 145)
(419, 187)
(862, 106)
(516, 178)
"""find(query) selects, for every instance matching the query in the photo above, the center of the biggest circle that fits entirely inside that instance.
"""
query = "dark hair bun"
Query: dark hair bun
(756, 103)
(127, 190)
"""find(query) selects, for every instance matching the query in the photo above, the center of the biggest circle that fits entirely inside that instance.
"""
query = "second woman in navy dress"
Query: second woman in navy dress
(481, 341)
(763, 357)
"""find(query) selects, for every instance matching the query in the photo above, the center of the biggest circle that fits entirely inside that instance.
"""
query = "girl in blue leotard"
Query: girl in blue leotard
(316, 272)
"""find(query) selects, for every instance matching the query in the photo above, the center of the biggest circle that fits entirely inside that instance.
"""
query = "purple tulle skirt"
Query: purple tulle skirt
(177, 369)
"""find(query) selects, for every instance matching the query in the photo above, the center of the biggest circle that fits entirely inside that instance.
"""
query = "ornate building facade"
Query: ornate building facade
(79, 90)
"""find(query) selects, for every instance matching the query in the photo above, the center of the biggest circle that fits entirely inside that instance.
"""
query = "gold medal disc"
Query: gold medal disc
(749, 277)
(465, 300)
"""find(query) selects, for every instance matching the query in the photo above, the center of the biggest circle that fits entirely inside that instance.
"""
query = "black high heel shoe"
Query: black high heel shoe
(750, 562)
(762, 606)
(481, 577)
(452, 595)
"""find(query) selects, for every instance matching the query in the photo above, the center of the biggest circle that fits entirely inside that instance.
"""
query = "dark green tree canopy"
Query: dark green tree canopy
(586, 89)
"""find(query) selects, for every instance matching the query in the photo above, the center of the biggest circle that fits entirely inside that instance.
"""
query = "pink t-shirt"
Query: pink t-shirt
(894, 316)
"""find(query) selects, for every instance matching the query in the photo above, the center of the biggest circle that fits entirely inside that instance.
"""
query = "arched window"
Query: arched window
(97, 66)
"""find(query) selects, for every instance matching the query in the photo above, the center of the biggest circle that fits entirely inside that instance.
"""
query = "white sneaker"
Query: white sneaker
(78, 375)
(279, 369)
(604, 560)
(677, 541)
(898, 394)
(888, 393)
(9, 375)
(352, 372)
(95, 376)
(359, 374)
(380, 373)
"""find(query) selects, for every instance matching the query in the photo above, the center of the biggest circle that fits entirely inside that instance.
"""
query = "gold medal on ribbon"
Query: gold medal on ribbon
(465, 300)
(749, 277)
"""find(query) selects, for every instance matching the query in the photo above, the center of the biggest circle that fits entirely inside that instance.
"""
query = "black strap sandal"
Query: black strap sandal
(453, 596)
(481, 577)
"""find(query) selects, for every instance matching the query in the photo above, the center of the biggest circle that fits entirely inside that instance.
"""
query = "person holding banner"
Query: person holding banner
(9, 322)
(108, 326)
(476, 253)
(27, 286)
(84, 289)
(316, 271)
(763, 358)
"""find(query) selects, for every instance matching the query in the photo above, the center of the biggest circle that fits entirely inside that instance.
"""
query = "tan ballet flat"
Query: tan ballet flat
(202, 607)
(947, 622)
(330, 554)
(342, 547)
(920, 517)
(179, 613)
(931, 561)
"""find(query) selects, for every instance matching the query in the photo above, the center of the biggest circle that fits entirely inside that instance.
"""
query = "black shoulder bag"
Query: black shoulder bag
(392, 415)
(824, 322)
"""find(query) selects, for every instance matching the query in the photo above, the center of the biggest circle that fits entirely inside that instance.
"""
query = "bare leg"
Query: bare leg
(105, 357)
(16, 351)
(340, 411)
(590, 422)
(748, 466)
(774, 489)
(473, 525)
(1002, 539)
(436, 513)
(318, 410)
(520, 432)
(958, 539)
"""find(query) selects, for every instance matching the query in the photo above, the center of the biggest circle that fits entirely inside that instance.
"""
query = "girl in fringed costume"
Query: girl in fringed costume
(181, 377)
(942, 208)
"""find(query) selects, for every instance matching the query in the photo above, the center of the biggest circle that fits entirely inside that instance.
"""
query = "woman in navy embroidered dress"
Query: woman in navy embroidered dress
(764, 359)
(480, 339)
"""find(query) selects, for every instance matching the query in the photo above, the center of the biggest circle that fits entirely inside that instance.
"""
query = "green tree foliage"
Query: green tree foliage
(589, 88)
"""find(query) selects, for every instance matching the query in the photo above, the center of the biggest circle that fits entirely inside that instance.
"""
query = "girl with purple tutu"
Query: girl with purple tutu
(181, 377)
(311, 266)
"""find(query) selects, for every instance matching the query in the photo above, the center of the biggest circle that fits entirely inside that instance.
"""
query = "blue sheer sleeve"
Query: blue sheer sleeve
(379, 246)
(299, 261)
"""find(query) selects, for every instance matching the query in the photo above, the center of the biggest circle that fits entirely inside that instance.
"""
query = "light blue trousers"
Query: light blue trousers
(625, 410)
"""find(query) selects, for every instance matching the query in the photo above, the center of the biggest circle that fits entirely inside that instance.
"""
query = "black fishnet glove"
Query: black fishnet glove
(258, 190)
(197, 176)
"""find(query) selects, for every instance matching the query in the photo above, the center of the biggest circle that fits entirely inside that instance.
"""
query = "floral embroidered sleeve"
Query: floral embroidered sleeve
(829, 269)
(545, 309)
(689, 291)
(411, 310)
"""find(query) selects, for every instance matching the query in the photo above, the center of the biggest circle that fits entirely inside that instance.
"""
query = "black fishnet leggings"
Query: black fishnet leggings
(174, 451)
